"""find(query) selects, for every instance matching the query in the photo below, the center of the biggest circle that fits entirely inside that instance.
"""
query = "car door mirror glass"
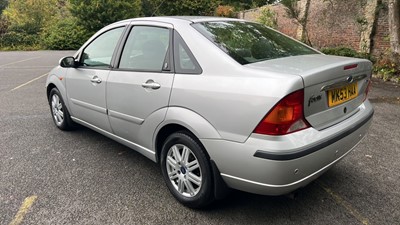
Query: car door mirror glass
(68, 62)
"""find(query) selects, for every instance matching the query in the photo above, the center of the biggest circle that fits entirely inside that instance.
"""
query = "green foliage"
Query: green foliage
(149, 7)
(268, 17)
(59, 24)
(66, 24)
(196, 7)
(362, 21)
(291, 8)
(93, 15)
(348, 52)
(387, 68)
(225, 11)
(3, 5)
(3, 25)
(247, 4)
(24, 21)
(185, 7)
(16, 40)
(63, 34)
(29, 15)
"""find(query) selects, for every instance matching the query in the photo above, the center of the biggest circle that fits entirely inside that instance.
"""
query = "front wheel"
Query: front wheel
(186, 170)
(59, 112)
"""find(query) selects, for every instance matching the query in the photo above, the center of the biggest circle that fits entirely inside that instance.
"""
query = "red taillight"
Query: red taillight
(286, 116)
(367, 90)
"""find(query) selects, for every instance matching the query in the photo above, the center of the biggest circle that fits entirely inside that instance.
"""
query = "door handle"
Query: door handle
(151, 84)
(96, 80)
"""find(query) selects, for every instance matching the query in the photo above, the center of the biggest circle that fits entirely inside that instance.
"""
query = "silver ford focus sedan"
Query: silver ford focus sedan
(219, 103)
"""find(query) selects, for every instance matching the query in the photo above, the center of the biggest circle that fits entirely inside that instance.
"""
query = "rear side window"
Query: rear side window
(184, 59)
(100, 51)
(248, 42)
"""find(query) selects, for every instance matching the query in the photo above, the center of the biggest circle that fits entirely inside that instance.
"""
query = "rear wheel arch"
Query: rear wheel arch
(179, 118)
(220, 189)
(192, 183)
(169, 129)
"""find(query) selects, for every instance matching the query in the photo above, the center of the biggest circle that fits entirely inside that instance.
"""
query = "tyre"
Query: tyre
(59, 112)
(187, 170)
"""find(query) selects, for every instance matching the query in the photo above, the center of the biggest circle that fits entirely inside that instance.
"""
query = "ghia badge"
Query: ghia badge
(313, 99)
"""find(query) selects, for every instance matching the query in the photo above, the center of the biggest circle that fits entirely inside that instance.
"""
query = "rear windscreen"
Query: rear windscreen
(248, 42)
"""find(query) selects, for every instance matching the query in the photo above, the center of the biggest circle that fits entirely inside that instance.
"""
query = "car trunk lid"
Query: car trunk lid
(334, 86)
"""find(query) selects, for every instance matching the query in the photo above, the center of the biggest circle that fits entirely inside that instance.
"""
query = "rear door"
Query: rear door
(140, 85)
(86, 85)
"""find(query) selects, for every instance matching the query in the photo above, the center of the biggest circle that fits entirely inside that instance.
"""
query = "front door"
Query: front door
(86, 85)
(138, 89)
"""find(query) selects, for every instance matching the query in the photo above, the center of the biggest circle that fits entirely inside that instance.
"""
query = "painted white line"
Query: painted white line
(340, 201)
(37, 78)
(23, 210)
(1, 66)
(29, 67)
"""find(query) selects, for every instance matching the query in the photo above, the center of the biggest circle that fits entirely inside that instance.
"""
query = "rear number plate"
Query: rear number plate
(340, 95)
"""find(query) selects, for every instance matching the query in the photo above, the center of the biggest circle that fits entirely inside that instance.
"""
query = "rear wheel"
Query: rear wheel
(59, 112)
(186, 170)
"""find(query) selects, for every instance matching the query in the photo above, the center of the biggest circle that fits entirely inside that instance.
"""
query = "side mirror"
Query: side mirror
(68, 62)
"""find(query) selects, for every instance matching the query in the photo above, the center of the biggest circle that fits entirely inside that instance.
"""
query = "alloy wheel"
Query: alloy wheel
(184, 170)
(57, 109)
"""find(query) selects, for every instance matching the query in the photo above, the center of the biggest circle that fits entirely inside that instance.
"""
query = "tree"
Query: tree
(300, 14)
(64, 33)
(3, 22)
(29, 15)
(184, 7)
(95, 14)
(394, 28)
(149, 7)
(3, 5)
(268, 17)
(24, 20)
(247, 4)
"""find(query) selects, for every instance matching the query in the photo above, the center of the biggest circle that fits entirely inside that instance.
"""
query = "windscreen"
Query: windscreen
(248, 42)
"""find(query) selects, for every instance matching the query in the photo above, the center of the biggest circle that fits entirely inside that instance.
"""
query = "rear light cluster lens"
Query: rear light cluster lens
(286, 116)
(367, 90)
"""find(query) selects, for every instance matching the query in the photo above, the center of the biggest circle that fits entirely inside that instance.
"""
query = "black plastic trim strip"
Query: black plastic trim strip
(306, 151)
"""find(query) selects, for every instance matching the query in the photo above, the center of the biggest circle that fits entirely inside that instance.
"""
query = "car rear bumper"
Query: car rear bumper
(276, 165)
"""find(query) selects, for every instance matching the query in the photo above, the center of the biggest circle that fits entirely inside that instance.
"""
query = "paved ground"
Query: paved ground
(81, 177)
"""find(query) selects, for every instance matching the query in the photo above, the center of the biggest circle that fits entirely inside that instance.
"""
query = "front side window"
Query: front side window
(99, 52)
(146, 49)
(248, 42)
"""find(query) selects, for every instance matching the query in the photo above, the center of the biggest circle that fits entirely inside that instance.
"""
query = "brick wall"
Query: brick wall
(334, 23)
(380, 39)
(286, 25)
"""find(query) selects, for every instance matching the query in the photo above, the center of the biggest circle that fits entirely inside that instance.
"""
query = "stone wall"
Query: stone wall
(359, 24)
(286, 25)
(380, 39)
(334, 24)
